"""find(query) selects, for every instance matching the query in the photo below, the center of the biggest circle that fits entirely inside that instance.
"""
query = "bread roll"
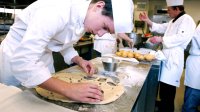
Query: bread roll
(124, 54)
(137, 55)
(130, 54)
(149, 57)
(118, 53)
(140, 57)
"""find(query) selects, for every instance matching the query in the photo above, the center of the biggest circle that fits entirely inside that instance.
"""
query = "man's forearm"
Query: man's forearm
(150, 23)
(55, 85)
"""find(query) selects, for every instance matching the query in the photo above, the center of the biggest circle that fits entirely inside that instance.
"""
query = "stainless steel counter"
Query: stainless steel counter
(83, 43)
(131, 75)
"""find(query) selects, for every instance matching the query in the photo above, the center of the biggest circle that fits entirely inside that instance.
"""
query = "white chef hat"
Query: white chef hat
(174, 2)
(123, 15)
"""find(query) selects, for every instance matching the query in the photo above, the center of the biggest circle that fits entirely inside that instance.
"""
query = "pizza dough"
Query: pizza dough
(111, 90)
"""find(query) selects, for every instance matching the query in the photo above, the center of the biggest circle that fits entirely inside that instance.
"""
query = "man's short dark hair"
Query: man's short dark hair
(107, 10)
(180, 7)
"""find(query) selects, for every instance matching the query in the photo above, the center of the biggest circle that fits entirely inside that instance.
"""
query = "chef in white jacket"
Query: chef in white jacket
(177, 34)
(55, 25)
(107, 44)
(192, 75)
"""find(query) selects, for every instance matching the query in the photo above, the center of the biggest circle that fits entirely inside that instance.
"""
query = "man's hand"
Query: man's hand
(131, 44)
(81, 92)
(143, 17)
(87, 66)
(155, 39)
(85, 92)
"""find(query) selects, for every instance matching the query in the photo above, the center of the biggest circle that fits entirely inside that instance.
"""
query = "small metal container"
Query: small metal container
(109, 64)
(137, 38)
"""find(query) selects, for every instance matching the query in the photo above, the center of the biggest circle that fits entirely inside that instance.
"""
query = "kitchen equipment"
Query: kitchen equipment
(136, 38)
(139, 25)
(109, 64)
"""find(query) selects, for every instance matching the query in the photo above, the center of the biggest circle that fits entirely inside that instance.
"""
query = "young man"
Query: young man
(55, 25)
(177, 34)
(192, 76)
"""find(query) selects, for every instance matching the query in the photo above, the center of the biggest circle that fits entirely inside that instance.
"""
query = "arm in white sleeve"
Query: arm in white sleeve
(26, 62)
(184, 34)
(159, 28)
(68, 54)
(197, 36)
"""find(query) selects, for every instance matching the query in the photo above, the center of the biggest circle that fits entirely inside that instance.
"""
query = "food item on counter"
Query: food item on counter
(144, 57)
(85, 39)
(137, 55)
(124, 54)
(134, 54)
(147, 35)
(110, 89)
(149, 57)
(140, 57)
(119, 53)
(130, 55)
(122, 51)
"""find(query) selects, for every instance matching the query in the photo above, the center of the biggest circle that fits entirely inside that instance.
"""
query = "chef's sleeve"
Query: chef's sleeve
(182, 36)
(26, 62)
(68, 54)
(159, 28)
(197, 36)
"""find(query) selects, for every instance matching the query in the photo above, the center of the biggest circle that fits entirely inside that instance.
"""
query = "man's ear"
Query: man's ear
(176, 8)
(99, 5)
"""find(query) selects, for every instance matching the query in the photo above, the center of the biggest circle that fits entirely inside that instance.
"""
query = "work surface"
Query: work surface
(131, 75)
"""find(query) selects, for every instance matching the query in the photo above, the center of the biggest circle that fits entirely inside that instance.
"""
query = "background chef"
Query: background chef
(192, 75)
(55, 25)
(177, 34)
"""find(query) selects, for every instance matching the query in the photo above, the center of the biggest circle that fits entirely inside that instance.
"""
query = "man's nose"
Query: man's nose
(101, 33)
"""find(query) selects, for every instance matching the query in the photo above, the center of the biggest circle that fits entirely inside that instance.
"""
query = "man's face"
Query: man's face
(97, 23)
(172, 13)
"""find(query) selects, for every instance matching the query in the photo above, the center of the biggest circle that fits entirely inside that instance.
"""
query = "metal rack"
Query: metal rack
(6, 20)
(8, 10)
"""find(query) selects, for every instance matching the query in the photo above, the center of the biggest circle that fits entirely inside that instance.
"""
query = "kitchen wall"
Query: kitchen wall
(191, 8)
(138, 10)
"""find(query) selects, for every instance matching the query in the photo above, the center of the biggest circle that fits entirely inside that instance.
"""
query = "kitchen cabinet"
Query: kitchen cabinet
(8, 11)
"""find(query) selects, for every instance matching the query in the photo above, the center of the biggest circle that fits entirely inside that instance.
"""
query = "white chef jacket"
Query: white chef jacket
(105, 44)
(192, 73)
(176, 37)
(43, 27)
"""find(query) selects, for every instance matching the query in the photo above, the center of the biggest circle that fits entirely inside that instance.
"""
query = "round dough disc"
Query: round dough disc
(110, 90)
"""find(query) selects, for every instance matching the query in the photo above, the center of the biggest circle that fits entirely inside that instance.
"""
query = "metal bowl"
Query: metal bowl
(137, 38)
(110, 64)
